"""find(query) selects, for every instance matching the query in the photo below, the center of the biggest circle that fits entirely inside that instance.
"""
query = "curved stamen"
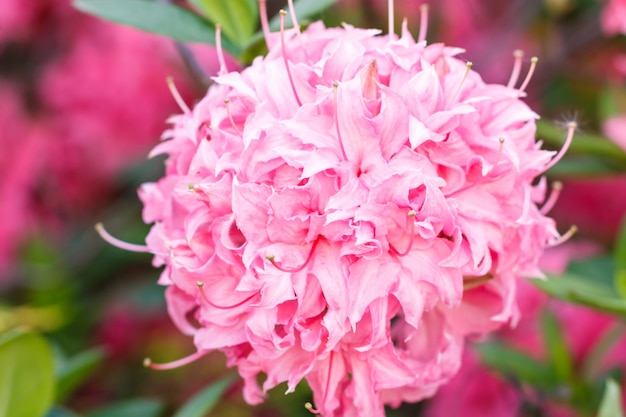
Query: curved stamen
(292, 13)
(531, 71)
(500, 150)
(518, 54)
(309, 407)
(177, 97)
(200, 285)
(284, 49)
(423, 23)
(175, 364)
(264, 22)
(292, 270)
(564, 237)
(220, 53)
(343, 151)
(411, 215)
(571, 128)
(457, 93)
(230, 115)
(472, 281)
(390, 18)
(131, 247)
(557, 186)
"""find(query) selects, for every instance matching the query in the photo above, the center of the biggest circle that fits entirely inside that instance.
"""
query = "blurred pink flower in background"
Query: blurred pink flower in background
(613, 17)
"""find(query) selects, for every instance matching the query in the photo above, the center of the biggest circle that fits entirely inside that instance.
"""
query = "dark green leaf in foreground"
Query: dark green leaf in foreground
(611, 405)
(138, 407)
(203, 402)
(161, 18)
(556, 346)
(620, 261)
(238, 18)
(70, 373)
(26, 375)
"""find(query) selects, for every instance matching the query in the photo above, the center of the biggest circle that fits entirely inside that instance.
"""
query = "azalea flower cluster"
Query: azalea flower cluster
(348, 210)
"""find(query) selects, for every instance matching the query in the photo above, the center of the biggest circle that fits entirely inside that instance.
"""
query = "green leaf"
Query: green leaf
(611, 405)
(72, 372)
(304, 10)
(156, 17)
(131, 408)
(620, 261)
(238, 18)
(60, 412)
(556, 346)
(26, 375)
(203, 402)
(518, 365)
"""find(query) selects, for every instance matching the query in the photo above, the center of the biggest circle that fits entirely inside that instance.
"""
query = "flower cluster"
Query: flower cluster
(347, 210)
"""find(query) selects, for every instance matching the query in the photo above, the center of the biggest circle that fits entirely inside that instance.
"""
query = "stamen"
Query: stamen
(471, 281)
(571, 128)
(284, 49)
(468, 67)
(518, 54)
(147, 362)
(177, 97)
(265, 22)
(557, 186)
(200, 285)
(131, 247)
(230, 115)
(531, 71)
(292, 270)
(564, 237)
(292, 12)
(220, 53)
(500, 150)
(335, 110)
(423, 23)
(309, 407)
(411, 215)
(390, 18)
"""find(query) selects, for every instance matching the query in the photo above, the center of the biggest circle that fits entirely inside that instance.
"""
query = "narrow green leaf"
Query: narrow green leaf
(612, 305)
(556, 346)
(620, 261)
(60, 412)
(518, 365)
(238, 18)
(26, 375)
(304, 10)
(72, 372)
(611, 405)
(156, 17)
(138, 407)
(203, 402)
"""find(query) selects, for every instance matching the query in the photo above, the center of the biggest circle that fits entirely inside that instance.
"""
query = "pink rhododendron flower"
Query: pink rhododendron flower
(347, 210)
(613, 18)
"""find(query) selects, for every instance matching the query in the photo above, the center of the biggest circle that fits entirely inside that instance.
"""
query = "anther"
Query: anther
(564, 237)
(411, 215)
(131, 247)
(230, 115)
(272, 260)
(518, 54)
(571, 128)
(531, 71)
(200, 286)
(335, 110)
(147, 362)
(284, 49)
(423, 23)
(220, 53)
(309, 407)
(557, 186)
(177, 97)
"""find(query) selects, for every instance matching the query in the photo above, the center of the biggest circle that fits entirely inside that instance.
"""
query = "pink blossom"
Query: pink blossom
(613, 18)
(346, 211)
(615, 128)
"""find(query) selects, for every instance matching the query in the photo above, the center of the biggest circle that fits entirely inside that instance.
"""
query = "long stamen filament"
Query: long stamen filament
(500, 150)
(423, 23)
(390, 18)
(284, 49)
(518, 54)
(531, 71)
(470, 282)
(293, 270)
(220, 53)
(557, 186)
(200, 286)
(176, 94)
(571, 128)
(564, 237)
(264, 22)
(411, 232)
(230, 115)
(336, 111)
(457, 93)
(147, 362)
(131, 247)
